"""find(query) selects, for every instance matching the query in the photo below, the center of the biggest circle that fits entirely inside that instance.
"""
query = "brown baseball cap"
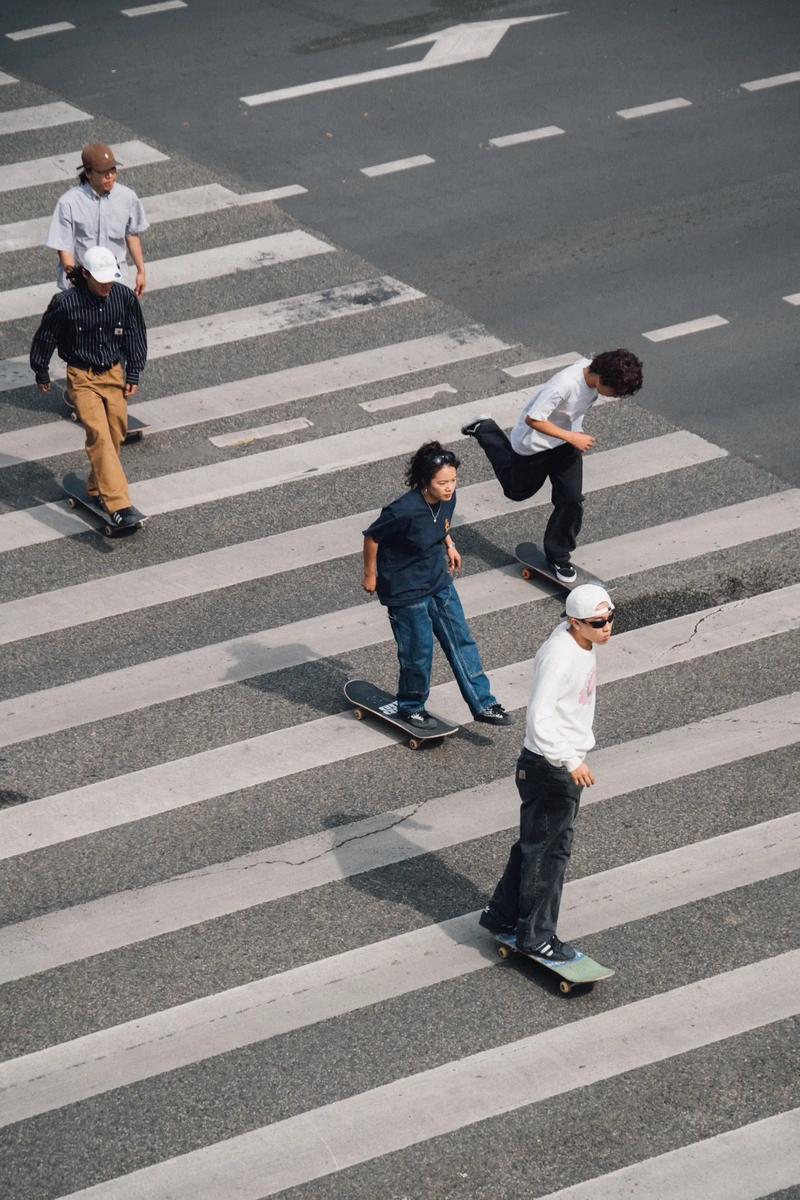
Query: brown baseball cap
(97, 157)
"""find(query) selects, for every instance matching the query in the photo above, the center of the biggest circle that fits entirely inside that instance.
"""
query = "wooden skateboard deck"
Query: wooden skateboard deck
(579, 971)
(77, 497)
(136, 428)
(367, 698)
(534, 562)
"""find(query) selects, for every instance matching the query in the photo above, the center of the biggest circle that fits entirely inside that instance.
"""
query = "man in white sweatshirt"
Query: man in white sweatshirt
(551, 773)
(548, 442)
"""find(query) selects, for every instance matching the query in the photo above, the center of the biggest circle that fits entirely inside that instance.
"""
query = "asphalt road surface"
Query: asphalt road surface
(239, 955)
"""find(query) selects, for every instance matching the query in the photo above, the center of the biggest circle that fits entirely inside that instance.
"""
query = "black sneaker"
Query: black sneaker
(495, 715)
(123, 518)
(471, 428)
(421, 719)
(552, 951)
(490, 919)
(564, 571)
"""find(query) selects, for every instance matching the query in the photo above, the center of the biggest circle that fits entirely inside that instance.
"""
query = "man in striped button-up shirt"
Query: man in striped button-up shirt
(97, 326)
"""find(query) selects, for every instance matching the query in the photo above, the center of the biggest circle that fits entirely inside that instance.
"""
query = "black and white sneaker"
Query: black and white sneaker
(122, 518)
(490, 919)
(564, 571)
(471, 427)
(495, 715)
(421, 719)
(552, 951)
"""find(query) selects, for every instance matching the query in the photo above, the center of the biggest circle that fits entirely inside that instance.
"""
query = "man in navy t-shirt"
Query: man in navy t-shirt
(409, 558)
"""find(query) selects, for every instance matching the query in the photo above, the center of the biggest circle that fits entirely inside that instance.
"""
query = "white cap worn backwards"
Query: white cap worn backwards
(584, 601)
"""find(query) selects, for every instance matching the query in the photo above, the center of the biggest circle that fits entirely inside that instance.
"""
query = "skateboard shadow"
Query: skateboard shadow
(9, 798)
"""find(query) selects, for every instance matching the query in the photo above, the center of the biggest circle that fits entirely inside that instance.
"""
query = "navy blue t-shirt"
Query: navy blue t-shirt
(411, 557)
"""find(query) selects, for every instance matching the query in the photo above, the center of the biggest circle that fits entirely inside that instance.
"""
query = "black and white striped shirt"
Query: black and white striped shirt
(91, 332)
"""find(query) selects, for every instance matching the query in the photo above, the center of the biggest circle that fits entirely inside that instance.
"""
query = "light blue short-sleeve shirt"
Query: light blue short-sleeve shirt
(83, 219)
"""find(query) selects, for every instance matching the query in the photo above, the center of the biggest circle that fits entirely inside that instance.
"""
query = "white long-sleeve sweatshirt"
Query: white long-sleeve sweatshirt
(561, 707)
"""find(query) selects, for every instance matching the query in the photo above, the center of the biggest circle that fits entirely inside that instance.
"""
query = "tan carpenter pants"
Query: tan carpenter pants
(99, 398)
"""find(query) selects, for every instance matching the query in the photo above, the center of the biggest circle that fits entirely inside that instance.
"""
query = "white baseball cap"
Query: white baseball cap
(101, 264)
(584, 601)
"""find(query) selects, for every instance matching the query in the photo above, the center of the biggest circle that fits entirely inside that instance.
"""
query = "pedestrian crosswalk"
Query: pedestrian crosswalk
(239, 953)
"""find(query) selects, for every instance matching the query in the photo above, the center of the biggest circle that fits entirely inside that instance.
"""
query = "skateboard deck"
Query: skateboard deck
(582, 970)
(367, 698)
(534, 562)
(77, 497)
(136, 428)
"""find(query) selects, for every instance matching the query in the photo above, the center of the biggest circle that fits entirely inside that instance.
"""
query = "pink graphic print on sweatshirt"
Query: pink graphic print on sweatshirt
(586, 693)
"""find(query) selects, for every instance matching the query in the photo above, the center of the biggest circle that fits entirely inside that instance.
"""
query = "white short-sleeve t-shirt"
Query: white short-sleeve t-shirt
(565, 399)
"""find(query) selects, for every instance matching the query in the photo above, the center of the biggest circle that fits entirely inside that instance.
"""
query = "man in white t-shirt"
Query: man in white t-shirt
(548, 442)
(551, 773)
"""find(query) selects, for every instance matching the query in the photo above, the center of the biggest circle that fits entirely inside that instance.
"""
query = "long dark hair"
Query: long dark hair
(427, 462)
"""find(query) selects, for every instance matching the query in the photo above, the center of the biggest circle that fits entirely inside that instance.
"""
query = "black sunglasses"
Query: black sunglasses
(601, 622)
(446, 458)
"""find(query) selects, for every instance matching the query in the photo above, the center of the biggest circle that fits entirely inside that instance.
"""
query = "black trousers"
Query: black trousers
(529, 893)
(521, 476)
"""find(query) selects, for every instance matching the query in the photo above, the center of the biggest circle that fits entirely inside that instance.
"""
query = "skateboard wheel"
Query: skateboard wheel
(526, 574)
(72, 503)
(135, 436)
(358, 714)
(565, 987)
(108, 531)
(73, 416)
(413, 744)
(503, 952)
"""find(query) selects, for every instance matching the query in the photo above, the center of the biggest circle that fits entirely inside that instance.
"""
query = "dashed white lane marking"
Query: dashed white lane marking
(399, 164)
(40, 116)
(743, 1164)
(165, 206)
(686, 327)
(328, 375)
(648, 110)
(758, 85)
(795, 299)
(244, 437)
(412, 397)
(57, 167)
(528, 135)
(238, 324)
(542, 364)
(126, 918)
(145, 10)
(318, 991)
(4, 78)
(98, 599)
(187, 268)
(412, 1110)
(21, 35)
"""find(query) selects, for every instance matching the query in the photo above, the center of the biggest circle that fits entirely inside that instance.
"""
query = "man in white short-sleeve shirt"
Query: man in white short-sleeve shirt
(98, 211)
(548, 442)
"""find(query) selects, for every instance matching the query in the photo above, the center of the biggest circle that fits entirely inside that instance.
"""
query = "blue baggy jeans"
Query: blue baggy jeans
(529, 892)
(414, 627)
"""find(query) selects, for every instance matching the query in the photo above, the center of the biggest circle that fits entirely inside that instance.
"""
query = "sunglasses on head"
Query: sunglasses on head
(446, 458)
(601, 622)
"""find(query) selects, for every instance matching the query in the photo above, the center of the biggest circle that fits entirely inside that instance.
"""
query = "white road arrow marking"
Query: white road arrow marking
(456, 44)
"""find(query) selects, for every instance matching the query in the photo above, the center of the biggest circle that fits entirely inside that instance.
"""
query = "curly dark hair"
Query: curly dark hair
(77, 276)
(618, 369)
(427, 461)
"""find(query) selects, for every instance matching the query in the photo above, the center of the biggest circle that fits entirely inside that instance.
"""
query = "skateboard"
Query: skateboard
(366, 698)
(136, 428)
(77, 497)
(534, 562)
(578, 971)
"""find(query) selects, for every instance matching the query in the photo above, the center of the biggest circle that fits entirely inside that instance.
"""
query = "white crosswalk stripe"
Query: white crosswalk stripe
(211, 874)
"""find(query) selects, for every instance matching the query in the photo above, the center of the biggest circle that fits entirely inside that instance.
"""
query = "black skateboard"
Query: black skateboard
(136, 428)
(534, 562)
(581, 971)
(367, 698)
(77, 497)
